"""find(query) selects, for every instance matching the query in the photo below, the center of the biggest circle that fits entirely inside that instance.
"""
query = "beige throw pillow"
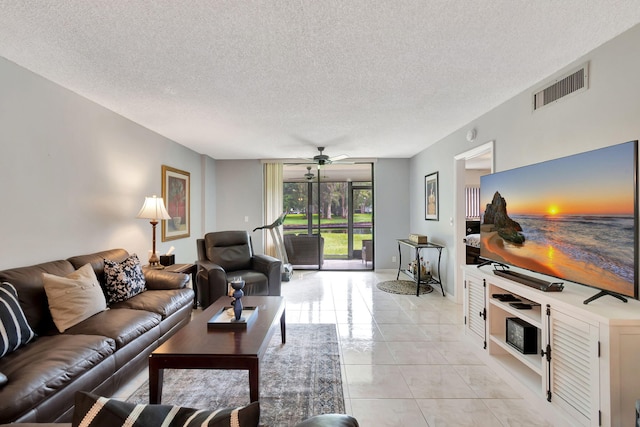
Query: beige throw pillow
(73, 298)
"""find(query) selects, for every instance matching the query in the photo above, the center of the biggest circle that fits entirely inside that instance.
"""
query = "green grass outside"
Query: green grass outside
(335, 244)
(301, 219)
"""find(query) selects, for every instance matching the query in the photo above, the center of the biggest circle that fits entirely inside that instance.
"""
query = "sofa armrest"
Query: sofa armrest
(271, 267)
(212, 282)
(159, 279)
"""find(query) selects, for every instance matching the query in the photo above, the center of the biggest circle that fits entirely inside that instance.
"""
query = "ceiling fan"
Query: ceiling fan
(309, 175)
(322, 159)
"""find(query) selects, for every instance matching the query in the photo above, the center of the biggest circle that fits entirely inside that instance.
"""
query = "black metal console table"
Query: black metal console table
(417, 247)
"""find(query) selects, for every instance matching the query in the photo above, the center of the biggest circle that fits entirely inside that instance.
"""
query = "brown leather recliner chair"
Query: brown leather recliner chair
(224, 255)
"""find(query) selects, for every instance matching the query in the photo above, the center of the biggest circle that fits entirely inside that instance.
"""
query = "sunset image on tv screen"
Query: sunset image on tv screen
(573, 218)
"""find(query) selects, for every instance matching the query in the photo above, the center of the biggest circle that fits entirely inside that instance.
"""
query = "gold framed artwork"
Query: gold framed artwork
(431, 196)
(175, 192)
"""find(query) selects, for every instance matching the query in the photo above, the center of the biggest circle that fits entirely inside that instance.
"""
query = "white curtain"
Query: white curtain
(272, 202)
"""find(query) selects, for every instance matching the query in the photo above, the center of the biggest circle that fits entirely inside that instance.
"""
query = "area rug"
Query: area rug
(403, 287)
(297, 380)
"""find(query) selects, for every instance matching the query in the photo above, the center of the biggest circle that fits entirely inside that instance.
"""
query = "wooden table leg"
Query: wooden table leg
(254, 380)
(283, 328)
(155, 382)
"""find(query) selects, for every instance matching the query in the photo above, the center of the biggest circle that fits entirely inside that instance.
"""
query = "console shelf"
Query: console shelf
(586, 359)
(531, 361)
(532, 316)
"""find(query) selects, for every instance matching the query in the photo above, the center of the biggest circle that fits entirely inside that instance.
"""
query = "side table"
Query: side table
(191, 269)
(417, 247)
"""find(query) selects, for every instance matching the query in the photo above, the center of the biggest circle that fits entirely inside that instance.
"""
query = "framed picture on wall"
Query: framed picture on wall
(431, 197)
(175, 192)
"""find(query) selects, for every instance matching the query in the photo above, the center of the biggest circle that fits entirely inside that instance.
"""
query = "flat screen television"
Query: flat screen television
(574, 218)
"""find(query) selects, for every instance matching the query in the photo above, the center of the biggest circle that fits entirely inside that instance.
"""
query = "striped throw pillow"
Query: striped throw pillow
(95, 411)
(14, 329)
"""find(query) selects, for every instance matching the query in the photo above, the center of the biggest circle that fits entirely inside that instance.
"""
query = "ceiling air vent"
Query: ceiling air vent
(574, 82)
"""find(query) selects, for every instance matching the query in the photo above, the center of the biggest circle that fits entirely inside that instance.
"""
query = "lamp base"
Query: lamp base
(155, 265)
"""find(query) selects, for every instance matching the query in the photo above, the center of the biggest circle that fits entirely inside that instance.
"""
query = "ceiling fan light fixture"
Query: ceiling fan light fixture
(309, 176)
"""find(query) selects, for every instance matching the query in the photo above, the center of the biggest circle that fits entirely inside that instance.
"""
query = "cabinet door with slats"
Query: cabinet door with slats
(476, 308)
(574, 368)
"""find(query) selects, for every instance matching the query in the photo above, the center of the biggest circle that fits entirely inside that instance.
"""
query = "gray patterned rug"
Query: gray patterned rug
(297, 380)
(403, 287)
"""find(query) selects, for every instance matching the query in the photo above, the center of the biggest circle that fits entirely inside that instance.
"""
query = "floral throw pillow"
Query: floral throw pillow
(123, 280)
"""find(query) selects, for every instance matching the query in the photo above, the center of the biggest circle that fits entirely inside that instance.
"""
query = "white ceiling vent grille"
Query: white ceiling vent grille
(574, 82)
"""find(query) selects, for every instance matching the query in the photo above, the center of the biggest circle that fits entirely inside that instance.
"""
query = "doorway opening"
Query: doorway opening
(469, 167)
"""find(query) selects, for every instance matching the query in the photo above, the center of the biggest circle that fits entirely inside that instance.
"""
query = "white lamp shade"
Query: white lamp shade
(153, 208)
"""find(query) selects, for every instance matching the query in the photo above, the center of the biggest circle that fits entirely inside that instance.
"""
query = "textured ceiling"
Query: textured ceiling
(274, 79)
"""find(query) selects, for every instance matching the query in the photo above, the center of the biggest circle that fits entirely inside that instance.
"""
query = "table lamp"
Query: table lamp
(154, 210)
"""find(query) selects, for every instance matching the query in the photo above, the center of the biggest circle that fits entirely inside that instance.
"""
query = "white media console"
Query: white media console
(586, 370)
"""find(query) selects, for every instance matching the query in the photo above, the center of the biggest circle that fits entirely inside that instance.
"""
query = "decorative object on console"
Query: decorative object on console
(521, 335)
(431, 196)
(418, 238)
(176, 191)
(154, 210)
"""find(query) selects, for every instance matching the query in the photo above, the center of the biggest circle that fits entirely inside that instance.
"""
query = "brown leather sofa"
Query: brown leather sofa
(99, 354)
(302, 249)
(223, 255)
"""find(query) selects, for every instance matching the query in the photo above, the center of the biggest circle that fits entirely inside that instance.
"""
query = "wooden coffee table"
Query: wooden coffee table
(196, 346)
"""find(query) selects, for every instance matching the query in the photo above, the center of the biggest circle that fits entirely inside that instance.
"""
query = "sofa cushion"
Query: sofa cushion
(45, 366)
(162, 279)
(73, 298)
(97, 261)
(229, 249)
(14, 329)
(95, 411)
(31, 294)
(123, 325)
(164, 303)
(255, 283)
(123, 279)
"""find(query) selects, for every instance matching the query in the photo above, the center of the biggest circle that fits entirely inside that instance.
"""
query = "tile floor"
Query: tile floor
(404, 361)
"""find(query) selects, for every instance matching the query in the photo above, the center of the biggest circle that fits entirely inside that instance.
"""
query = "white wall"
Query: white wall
(208, 195)
(391, 200)
(604, 115)
(74, 175)
(240, 199)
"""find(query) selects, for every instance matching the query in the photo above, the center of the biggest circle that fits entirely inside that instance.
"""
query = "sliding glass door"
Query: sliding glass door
(329, 222)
